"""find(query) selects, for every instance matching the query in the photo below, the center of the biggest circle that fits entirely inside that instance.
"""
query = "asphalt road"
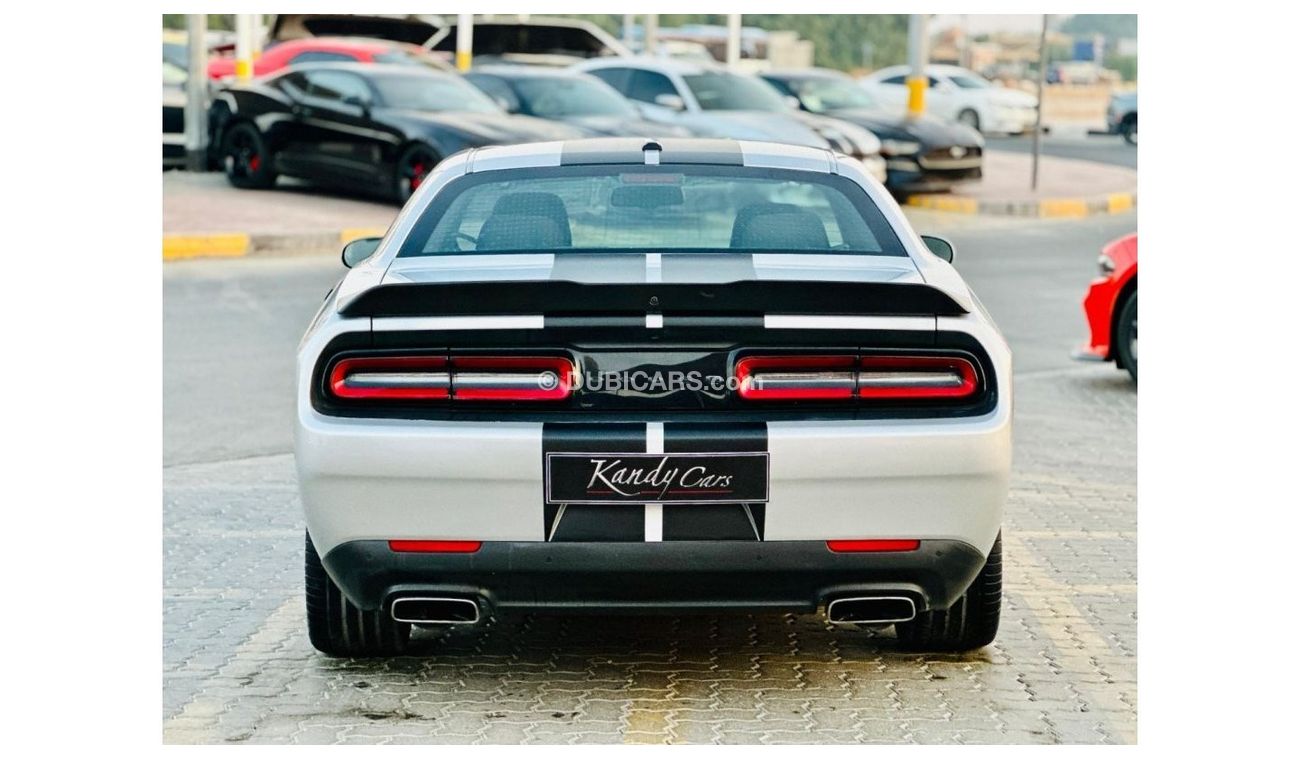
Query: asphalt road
(238, 668)
(1106, 149)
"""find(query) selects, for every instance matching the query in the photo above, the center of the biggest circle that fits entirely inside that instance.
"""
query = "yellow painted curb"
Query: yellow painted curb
(945, 203)
(1072, 208)
(192, 246)
(356, 233)
(1118, 203)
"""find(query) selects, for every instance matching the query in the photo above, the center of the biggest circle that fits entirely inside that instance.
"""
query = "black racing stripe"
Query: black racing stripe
(705, 522)
(684, 437)
(589, 522)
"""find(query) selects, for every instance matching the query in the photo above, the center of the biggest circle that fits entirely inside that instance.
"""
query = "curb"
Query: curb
(1048, 208)
(239, 244)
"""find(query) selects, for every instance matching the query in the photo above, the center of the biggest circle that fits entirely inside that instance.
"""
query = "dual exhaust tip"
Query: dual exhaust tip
(435, 610)
(871, 610)
(852, 610)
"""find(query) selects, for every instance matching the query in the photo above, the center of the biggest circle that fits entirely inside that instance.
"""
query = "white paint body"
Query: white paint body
(942, 478)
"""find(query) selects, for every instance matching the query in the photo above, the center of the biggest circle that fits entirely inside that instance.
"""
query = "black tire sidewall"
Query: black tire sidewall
(264, 176)
(400, 191)
(1127, 316)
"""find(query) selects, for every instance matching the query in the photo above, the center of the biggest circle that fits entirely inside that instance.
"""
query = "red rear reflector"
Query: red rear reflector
(787, 378)
(875, 545)
(460, 378)
(442, 547)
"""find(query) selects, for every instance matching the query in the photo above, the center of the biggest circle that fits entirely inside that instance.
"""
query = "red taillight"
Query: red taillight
(439, 547)
(788, 378)
(875, 545)
(458, 378)
(511, 378)
(843, 378)
(916, 377)
(392, 377)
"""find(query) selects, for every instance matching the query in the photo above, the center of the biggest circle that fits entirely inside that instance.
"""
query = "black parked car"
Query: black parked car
(579, 100)
(920, 154)
(378, 128)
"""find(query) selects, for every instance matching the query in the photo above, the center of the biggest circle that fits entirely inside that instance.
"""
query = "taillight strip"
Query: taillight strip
(456, 378)
(844, 378)
(789, 378)
(916, 377)
(391, 377)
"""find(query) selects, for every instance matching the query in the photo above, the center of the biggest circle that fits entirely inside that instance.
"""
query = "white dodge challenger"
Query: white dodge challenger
(628, 375)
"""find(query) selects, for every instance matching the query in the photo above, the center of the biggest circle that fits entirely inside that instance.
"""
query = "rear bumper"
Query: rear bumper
(510, 576)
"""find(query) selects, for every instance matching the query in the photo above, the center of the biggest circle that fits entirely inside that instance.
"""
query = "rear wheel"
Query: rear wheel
(338, 628)
(969, 118)
(970, 623)
(413, 166)
(244, 157)
(1126, 336)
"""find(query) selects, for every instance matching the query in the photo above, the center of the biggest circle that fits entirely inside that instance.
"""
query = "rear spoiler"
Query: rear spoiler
(546, 297)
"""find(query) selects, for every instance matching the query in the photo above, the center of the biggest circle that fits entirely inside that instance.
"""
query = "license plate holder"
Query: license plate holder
(694, 477)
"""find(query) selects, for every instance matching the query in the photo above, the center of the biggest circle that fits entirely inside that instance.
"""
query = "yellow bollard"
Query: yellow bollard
(916, 87)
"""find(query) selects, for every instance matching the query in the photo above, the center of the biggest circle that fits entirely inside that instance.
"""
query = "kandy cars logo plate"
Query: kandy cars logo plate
(656, 478)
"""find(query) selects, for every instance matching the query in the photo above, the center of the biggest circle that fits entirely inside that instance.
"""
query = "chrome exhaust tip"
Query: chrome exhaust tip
(871, 610)
(425, 610)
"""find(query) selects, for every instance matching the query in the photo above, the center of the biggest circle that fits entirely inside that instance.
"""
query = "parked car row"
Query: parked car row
(381, 113)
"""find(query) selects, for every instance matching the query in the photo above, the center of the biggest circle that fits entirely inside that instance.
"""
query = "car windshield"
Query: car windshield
(818, 95)
(723, 91)
(640, 209)
(969, 81)
(556, 97)
(405, 58)
(432, 93)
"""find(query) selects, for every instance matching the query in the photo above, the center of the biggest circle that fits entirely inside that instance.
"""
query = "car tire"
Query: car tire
(338, 628)
(412, 167)
(969, 118)
(245, 158)
(970, 623)
(1128, 129)
(1126, 336)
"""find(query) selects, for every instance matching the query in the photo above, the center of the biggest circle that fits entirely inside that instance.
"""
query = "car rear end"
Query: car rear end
(543, 427)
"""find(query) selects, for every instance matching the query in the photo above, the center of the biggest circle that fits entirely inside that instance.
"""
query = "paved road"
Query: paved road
(1107, 149)
(238, 668)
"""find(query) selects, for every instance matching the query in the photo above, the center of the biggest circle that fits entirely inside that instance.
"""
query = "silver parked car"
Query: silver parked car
(711, 101)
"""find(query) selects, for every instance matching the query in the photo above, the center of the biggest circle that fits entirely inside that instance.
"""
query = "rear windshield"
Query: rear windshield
(640, 209)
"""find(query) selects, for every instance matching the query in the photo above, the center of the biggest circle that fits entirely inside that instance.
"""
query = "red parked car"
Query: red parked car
(341, 49)
(1112, 307)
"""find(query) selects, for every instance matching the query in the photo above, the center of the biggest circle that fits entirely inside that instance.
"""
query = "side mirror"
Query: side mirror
(356, 101)
(359, 250)
(793, 102)
(506, 105)
(939, 247)
(674, 102)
